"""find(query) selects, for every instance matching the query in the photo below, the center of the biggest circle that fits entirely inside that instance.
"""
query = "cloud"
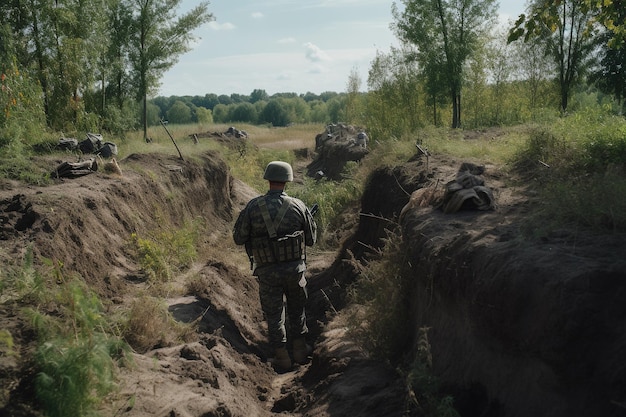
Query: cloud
(257, 15)
(221, 26)
(314, 53)
(285, 76)
(317, 69)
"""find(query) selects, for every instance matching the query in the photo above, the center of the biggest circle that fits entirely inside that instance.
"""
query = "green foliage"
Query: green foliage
(21, 111)
(244, 112)
(118, 120)
(179, 113)
(75, 375)
(205, 116)
(579, 163)
(166, 252)
(332, 198)
(24, 283)
(445, 37)
(425, 388)
(596, 202)
(275, 114)
(6, 343)
(380, 321)
(76, 355)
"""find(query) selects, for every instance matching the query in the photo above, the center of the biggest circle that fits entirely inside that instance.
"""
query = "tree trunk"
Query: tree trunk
(145, 117)
(456, 110)
(564, 94)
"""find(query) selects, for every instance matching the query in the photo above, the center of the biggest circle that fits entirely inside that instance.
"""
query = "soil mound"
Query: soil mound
(335, 147)
(517, 327)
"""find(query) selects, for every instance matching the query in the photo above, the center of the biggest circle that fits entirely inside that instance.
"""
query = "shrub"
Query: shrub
(167, 252)
(76, 353)
(579, 163)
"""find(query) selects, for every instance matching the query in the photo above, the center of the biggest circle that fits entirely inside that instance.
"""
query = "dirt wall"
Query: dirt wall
(518, 327)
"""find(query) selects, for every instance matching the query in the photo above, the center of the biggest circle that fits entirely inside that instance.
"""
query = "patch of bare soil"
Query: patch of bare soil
(517, 328)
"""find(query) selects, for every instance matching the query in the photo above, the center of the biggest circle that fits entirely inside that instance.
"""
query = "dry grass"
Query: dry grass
(278, 138)
(150, 325)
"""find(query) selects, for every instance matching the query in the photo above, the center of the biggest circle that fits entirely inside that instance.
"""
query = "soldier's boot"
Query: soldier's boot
(281, 361)
(300, 350)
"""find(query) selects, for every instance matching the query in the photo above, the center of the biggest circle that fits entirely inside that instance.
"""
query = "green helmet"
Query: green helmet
(278, 171)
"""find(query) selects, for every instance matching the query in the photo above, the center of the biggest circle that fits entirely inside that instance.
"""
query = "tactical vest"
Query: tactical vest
(274, 248)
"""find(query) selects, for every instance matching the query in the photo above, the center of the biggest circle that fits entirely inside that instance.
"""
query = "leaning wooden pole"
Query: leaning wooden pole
(173, 141)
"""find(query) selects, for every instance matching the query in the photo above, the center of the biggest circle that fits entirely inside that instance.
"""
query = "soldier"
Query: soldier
(361, 139)
(275, 229)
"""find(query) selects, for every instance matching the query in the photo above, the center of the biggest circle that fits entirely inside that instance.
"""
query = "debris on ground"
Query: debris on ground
(335, 147)
(468, 191)
(232, 137)
(93, 144)
(75, 169)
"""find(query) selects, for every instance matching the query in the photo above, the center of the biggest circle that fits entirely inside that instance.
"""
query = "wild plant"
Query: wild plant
(77, 351)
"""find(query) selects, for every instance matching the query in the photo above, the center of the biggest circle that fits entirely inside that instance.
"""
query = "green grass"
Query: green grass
(166, 252)
(77, 351)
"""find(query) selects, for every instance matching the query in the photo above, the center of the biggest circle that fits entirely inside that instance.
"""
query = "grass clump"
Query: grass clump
(578, 167)
(150, 325)
(166, 252)
(77, 351)
(378, 319)
(24, 283)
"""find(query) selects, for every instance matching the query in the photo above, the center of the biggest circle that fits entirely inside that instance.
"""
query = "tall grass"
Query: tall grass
(77, 351)
(578, 167)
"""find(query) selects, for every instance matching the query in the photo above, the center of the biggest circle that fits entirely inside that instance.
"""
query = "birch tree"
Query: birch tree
(446, 33)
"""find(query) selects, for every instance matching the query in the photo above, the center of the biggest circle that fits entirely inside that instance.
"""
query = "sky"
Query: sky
(287, 46)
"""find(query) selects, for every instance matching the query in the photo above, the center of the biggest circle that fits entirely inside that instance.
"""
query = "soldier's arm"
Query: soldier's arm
(241, 231)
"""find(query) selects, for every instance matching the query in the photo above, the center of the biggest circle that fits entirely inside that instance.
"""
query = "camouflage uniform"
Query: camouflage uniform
(281, 277)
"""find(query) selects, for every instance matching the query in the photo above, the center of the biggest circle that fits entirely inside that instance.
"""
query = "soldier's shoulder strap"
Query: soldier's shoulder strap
(270, 224)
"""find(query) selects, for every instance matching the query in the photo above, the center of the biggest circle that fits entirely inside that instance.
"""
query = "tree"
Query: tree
(395, 92)
(535, 69)
(160, 38)
(220, 113)
(566, 36)
(211, 101)
(258, 95)
(239, 98)
(334, 106)
(609, 14)
(244, 112)
(352, 97)
(274, 113)
(204, 115)
(610, 76)
(119, 85)
(179, 113)
(318, 113)
(446, 34)
(224, 99)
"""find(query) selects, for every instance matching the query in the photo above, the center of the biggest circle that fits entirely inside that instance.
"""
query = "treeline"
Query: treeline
(280, 109)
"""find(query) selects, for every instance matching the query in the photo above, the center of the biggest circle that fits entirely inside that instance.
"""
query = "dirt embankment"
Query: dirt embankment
(84, 225)
(517, 328)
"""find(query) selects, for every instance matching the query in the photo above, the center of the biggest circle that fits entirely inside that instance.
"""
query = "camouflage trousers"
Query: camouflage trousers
(283, 302)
